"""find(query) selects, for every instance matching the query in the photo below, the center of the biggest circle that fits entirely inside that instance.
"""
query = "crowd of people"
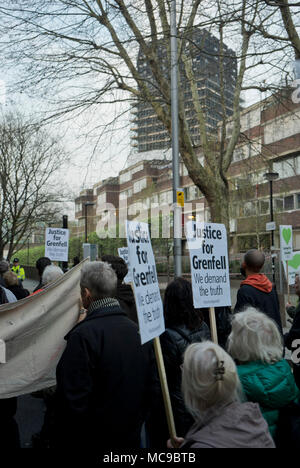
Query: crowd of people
(239, 393)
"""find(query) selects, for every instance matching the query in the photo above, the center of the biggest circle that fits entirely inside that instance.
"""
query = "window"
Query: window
(264, 206)
(125, 177)
(298, 201)
(278, 205)
(139, 185)
(125, 194)
(77, 207)
(289, 202)
(102, 198)
(250, 208)
(138, 168)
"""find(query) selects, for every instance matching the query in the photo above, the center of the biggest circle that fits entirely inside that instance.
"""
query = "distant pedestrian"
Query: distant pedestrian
(40, 265)
(104, 373)
(4, 267)
(50, 274)
(124, 294)
(257, 290)
(16, 268)
(76, 261)
(12, 283)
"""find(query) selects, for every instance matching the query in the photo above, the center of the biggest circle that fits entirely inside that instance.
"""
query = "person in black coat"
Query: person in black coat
(12, 283)
(184, 325)
(40, 265)
(257, 290)
(124, 294)
(104, 374)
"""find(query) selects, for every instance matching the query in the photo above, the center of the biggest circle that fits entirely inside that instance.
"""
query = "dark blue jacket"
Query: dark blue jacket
(103, 383)
(265, 302)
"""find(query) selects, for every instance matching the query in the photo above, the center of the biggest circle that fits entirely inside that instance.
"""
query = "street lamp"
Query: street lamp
(270, 176)
(86, 204)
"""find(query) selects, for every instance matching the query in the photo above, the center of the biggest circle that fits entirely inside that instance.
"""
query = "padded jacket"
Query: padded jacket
(272, 386)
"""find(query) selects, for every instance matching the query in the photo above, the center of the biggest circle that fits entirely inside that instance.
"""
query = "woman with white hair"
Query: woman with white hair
(256, 345)
(211, 388)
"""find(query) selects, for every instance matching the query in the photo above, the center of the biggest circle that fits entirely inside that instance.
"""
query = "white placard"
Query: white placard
(207, 245)
(57, 244)
(294, 267)
(2, 352)
(271, 226)
(123, 253)
(286, 242)
(144, 281)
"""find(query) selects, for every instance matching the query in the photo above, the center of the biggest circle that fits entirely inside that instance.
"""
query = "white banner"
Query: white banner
(123, 253)
(286, 242)
(33, 331)
(57, 244)
(207, 245)
(144, 281)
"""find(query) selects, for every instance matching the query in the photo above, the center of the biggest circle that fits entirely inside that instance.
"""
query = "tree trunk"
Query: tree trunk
(217, 197)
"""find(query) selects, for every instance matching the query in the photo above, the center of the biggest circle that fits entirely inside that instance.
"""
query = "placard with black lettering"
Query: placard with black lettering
(144, 280)
(207, 243)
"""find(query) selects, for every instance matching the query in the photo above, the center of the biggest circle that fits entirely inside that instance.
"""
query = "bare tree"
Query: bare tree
(29, 160)
(89, 49)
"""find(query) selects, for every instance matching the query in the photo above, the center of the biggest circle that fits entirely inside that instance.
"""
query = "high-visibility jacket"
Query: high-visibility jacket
(20, 272)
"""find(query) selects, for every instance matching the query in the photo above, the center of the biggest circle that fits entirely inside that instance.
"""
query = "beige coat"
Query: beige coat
(238, 425)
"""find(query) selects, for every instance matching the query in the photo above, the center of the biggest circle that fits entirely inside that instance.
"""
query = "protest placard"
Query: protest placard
(148, 301)
(207, 243)
(123, 253)
(286, 249)
(144, 280)
(57, 244)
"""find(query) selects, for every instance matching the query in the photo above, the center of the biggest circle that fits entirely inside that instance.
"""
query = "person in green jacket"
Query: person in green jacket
(16, 268)
(256, 345)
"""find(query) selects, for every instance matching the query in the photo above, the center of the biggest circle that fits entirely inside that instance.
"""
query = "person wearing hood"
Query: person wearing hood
(125, 294)
(257, 290)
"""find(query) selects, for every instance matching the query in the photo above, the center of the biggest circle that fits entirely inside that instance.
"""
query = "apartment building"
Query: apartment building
(269, 142)
(147, 131)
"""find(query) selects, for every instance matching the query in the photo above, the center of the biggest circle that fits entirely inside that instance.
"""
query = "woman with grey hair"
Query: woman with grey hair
(256, 345)
(211, 390)
(50, 274)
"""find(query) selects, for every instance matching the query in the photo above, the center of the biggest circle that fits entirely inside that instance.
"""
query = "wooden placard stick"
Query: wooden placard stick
(165, 388)
(213, 325)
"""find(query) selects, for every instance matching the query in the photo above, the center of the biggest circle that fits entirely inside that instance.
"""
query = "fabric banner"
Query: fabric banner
(33, 331)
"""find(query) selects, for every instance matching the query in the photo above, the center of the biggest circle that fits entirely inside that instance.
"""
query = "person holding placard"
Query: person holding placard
(104, 374)
(184, 325)
(257, 290)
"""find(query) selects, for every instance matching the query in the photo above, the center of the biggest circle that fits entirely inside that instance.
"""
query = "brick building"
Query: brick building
(269, 141)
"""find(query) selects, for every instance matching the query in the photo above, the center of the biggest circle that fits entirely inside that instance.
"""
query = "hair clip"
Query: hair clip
(220, 371)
